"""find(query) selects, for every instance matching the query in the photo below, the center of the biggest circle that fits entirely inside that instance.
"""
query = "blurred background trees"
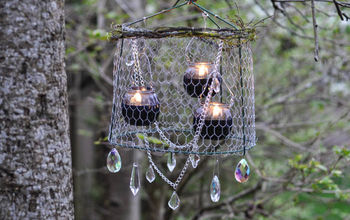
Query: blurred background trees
(300, 165)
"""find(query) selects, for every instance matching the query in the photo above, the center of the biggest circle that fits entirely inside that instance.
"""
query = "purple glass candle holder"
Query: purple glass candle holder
(140, 106)
(197, 79)
(217, 123)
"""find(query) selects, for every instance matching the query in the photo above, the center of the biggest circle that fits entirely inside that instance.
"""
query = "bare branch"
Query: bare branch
(343, 4)
(284, 139)
(338, 10)
(315, 29)
(228, 201)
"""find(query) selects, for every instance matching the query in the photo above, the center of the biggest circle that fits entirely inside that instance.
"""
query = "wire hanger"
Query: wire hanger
(186, 2)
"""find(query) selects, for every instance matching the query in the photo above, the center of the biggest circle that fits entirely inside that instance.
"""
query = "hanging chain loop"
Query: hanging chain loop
(193, 143)
(160, 173)
(137, 76)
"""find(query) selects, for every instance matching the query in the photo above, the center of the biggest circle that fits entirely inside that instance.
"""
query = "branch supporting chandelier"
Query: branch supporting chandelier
(180, 90)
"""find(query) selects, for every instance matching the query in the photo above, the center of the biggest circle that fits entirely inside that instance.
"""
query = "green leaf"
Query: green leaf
(337, 173)
(322, 167)
(152, 140)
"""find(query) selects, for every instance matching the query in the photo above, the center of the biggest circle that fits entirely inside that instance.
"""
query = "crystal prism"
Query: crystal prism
(242, 171)
(194, 160)
(150, 174)
(171, 162)
(215, 189)
(135, 179)
(129, 60)
(174, 201)
(216, 85)
(114, 162)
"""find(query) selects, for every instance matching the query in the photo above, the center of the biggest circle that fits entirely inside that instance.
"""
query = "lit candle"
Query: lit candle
(217, 123)
(202, 69)
(140, 106)
(197, 79)
(216, 111)
(136, 99)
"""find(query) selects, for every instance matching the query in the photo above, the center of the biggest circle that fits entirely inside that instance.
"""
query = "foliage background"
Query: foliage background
(300, 165)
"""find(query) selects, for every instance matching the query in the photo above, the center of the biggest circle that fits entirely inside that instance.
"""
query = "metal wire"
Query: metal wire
(186, 2)
(173, 131)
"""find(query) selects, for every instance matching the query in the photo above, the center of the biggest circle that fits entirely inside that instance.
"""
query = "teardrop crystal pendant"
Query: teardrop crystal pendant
(215, 189)
(216, 85)
(135, 179)
(194, 160)
(242, 171)
(129, 60)
(114, 162)
(171, 162)
(174, 201)
(150, 174)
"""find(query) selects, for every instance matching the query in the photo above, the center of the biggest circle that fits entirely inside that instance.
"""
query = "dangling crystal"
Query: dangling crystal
(215, 189)
(135, 179)
(171, 162)
(242, 171)
(216, 85)
(114, 162)
(174, 201)
(194, 160)
(150, 174)
(129, 60)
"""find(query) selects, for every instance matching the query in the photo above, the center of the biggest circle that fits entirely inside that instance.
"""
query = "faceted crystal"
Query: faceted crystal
(135, 179)
(242, 171)
(215, 189)
(129, 60)
(216, 85)
(150, 174)
(174, 201)
(114, 162)
(171, 162)
(194, 160)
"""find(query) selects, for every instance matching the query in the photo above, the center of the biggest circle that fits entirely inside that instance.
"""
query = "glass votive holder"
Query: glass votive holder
(217, 122)
(197, 79)
(140, 106)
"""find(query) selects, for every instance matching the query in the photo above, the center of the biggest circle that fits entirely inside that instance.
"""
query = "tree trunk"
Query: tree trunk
(35, 154)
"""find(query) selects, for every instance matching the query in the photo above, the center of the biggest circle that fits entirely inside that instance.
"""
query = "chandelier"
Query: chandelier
(180, 90)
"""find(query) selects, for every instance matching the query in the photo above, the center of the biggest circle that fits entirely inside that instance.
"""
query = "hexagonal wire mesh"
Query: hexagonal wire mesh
(162, 80)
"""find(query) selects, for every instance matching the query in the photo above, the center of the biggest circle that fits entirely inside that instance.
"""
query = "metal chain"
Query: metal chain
(194, 141)
(208, 98)
(197, 133)
(137, 77)
(170, 183)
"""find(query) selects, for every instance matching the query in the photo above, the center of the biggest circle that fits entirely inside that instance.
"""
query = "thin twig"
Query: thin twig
(284, 139)
(315, 29)
(344, 4)
(228, 201)
(338, 10)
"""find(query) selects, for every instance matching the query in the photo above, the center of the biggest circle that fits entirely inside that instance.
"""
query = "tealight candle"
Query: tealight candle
(197, 79)
(140, 106)
(217, 122)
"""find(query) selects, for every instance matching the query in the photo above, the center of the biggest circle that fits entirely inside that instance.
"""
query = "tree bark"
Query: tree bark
(35, 154)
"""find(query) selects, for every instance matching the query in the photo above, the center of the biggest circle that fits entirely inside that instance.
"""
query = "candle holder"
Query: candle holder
(153, 56)
(140, 106)
(197, 79)
(217, 123)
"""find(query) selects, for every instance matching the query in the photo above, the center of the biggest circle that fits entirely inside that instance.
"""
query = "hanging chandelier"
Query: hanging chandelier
(180, 90)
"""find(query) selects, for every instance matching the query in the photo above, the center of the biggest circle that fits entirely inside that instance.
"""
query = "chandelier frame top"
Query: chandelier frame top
(229, 76)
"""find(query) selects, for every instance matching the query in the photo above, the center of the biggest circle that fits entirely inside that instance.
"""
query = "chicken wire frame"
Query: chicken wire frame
(164, 54)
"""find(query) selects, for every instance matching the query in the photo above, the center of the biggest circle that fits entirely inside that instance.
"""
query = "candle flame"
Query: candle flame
(202, 70)
(216, 111)
(136, 99)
